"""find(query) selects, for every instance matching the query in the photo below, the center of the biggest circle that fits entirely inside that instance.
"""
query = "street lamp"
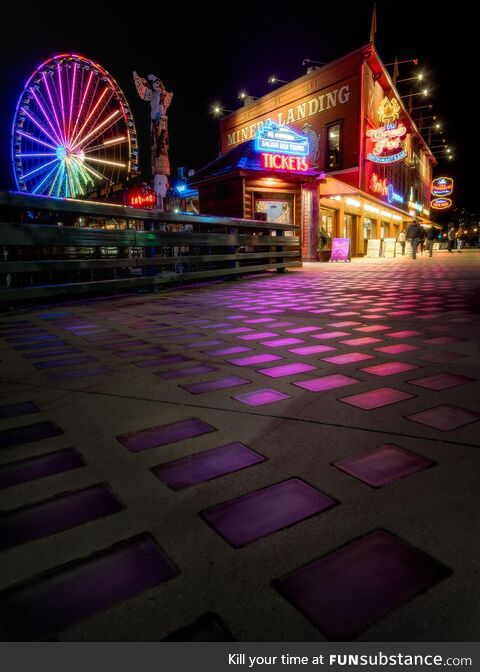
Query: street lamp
(409, 79)
(273, 80)
(217, 110)
(420, 93)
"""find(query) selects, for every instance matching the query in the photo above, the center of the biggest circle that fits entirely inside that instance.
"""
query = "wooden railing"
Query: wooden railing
(52, 247)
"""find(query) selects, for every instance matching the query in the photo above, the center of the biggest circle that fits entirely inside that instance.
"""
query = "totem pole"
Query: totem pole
(160, 100)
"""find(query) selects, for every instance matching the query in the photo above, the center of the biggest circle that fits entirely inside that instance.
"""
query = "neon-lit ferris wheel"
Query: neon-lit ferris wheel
(73, 130)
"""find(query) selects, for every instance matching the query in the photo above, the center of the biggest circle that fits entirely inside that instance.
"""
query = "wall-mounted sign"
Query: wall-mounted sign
(442, 186)
(387, 139)
(340, 249)
(142, 198)
(272, 137)
(441, 203)
(385, 188)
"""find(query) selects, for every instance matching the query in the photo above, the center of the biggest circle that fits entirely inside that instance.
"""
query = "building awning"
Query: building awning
(242, 158)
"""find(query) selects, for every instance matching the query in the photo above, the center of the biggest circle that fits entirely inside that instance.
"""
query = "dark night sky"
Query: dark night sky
(211, 53)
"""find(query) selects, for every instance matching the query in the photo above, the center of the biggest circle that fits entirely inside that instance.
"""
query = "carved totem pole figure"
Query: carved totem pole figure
(160, 100)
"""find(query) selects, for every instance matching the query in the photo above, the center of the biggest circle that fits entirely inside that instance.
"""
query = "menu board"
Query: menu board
(340, 249)
(373, 247)
(388, 249)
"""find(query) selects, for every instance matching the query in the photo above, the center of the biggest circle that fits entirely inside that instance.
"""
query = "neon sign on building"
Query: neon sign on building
(281, 148)
(442, 186)
(441, 203)
(385, 188)
(387, 139)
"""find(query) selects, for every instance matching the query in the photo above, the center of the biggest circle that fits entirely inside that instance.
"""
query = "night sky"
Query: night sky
(213, 52)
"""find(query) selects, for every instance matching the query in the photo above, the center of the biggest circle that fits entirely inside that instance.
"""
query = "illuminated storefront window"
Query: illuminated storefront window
(347, 226)
(328, 221)
(368, 228)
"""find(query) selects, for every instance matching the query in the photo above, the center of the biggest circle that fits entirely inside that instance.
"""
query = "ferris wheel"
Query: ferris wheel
(73, 130)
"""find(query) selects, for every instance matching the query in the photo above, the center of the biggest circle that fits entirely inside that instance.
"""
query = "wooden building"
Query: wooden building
(369, 169)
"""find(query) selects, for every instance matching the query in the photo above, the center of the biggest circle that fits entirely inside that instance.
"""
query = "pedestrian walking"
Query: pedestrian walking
(402, 240)
(460, 239)
(431, 237)
(451, 238)
(414, 233)
(422, 239)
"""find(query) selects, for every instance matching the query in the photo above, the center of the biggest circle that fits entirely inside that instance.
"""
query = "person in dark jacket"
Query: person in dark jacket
(414, 234)
(431, 238)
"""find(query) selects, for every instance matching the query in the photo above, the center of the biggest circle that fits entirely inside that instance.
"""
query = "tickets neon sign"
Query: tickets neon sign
(276, 139)
(385, 188)
(389, 137)
(442, 186)
(297, 164)
(441, 203)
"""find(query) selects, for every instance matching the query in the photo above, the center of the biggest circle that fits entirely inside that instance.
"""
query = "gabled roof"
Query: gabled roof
(241, 158)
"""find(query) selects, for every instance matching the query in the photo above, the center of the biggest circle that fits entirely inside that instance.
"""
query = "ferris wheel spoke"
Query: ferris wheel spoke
(71, 99)
(102, 95)
(34, 139)
(47, 118)
(44, 180)
(39, 169)
(52, 105)
(38, 124)
(82, 172)
(96, 130)
(107, 143)
(62, 106)
(105, 162)
(98, 175)
(57, 174)
(28, 156)
(80, 109)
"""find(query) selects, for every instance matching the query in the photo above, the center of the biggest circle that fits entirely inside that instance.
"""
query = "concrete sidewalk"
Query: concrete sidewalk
(284, 458)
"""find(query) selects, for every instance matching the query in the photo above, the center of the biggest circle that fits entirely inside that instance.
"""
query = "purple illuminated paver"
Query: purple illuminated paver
(330, 334)
(282, 342)
(206, 628)
(214, 385)
(364, 340)
(302, 330)
(257, 335)
(243, 520)
(287, 370)
(445, 417)
(372, 328)
(382, 396)
(33, 468)
(406, 333)
(73, 592)
(397, 349)
(164, 434)
(234, 350)
(38, 346)
(326, 382)
(389, 368)
(59, 352)
(37, 432)
(55, 363)
(345, 323)
(207, 465)
(190, 371)
(236, 330)
(345, 591)
(14, 410)
(260, 397)
(311, 349)
(383, 465)
(161, 361)
(55, 515)
(441, 381)
(203, 344)
(259, 320)
(251, 360)
(80, 373)
(348, 358)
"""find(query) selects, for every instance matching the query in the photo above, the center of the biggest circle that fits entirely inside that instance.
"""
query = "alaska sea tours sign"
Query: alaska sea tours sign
(388, 139)
(281, 148)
